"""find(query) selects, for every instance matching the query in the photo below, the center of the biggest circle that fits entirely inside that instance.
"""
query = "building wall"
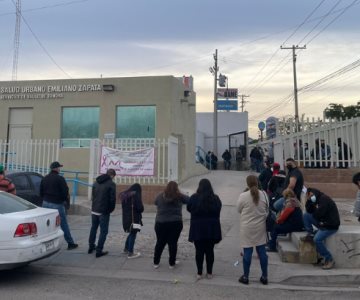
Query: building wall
(228, 123)
(172, 116)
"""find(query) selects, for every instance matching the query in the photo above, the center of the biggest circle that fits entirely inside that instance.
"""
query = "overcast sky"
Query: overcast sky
(178, 37)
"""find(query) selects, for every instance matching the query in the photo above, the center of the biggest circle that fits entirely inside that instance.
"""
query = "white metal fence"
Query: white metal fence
(322, 145)
(29, 155)
(166, 162)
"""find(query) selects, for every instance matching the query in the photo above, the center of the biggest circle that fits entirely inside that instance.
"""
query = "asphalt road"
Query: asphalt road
(29, 284)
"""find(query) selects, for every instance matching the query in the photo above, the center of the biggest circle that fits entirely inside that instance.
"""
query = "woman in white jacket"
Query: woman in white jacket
(253, 207)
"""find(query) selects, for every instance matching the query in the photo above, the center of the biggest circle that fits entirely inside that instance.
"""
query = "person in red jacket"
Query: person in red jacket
(5, 184)
(289, 220)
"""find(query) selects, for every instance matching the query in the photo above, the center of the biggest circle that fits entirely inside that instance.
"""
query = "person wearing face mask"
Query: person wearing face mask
(293, 181)
(322, 212)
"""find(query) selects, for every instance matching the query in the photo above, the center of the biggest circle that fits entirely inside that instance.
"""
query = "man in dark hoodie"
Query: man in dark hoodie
(103, 204)
(322, 212)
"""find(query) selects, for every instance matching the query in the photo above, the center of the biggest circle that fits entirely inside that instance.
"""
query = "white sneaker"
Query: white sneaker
(134, 255)
(156, 266)
(176, 263)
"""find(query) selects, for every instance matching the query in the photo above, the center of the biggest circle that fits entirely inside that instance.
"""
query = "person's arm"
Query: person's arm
(240, 204)
(11, 188)
(321, 209)
(139, 205)
(190, 204)
(292, 182)
(285, 213)
(185, 199)
(112, 197)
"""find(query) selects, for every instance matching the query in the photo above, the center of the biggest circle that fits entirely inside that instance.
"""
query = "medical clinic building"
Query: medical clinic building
(76, 111)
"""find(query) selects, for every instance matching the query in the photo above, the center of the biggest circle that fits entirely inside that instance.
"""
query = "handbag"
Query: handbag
(270, 217)
(134, 227)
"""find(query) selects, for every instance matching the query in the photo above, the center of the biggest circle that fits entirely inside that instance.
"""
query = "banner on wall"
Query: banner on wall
(128, 163)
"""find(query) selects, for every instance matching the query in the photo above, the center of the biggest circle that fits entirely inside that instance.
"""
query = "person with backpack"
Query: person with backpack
(132, 209)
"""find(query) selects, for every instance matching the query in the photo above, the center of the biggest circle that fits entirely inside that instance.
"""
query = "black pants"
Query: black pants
(103, 221)
(167, 233)
(204, 248)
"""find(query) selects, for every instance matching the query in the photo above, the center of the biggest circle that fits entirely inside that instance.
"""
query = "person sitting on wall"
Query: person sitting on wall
(289, 220)
(226, 156)
(356, 210)
(322, 212)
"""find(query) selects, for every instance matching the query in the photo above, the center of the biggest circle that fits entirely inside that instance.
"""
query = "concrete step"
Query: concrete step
(334, 190)
(288, 252)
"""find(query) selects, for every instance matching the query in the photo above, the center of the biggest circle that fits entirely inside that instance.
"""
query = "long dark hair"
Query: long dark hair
(253, 185)
(127, 195)
(207, 198)
(172, 193)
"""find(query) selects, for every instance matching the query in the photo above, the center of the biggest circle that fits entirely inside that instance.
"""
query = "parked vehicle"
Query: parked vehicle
(27, 233)
(27, 185)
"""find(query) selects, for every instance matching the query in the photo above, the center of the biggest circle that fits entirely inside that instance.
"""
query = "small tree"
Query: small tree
(340, 112)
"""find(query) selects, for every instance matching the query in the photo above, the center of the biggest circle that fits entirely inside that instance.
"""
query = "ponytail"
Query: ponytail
(254, 191)
(253, 184)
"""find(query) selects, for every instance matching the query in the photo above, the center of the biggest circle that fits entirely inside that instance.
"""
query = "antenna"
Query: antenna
(16, 40)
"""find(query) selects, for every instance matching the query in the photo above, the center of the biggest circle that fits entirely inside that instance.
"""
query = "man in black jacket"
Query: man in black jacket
(55, 194)
(322, 212)
(103, 204)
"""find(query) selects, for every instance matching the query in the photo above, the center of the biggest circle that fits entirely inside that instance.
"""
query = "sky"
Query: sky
(117, 38)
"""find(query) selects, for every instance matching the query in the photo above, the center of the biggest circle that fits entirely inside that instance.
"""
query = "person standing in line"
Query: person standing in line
(322, 212)
(356, 181)
(253, 206)
(103, 204)
(54, 192)
(205, 229)
(265, 176)
(294, 181)
(226, 156)
(6, 184)
(132, 209)
(168, 222)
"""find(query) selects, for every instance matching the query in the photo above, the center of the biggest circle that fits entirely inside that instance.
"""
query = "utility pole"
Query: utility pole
(214, 71)
(243, 101)
(295, 82)
(16, 40)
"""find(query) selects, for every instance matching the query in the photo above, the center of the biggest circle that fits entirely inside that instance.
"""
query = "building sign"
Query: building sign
(44, 91)
(227, 93)
(227, 105)
(128, 163)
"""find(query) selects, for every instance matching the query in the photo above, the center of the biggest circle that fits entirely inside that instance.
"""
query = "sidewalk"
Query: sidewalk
(228, 185)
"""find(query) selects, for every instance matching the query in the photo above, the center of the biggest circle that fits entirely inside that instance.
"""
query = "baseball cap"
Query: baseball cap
(1, 168)
(55, 165)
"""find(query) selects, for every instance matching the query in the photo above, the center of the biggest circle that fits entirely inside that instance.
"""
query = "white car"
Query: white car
(27, 232)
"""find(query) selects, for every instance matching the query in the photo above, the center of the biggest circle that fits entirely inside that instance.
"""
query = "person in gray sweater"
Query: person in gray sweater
(168, 222)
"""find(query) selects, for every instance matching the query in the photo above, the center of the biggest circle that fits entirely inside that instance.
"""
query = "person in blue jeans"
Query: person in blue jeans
(132, 209)
(253, 208)
(55, 194)
(103, 204)
(321, 212)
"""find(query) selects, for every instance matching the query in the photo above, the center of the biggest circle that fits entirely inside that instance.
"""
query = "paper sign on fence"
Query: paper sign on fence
(128, 163)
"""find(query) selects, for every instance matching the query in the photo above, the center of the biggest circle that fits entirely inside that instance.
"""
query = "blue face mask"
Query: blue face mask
(313, 198)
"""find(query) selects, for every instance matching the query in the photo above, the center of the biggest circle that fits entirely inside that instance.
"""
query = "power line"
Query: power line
(40, 44)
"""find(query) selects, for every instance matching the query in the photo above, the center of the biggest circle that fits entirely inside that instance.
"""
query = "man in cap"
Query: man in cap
(55, 193)
(5, 183)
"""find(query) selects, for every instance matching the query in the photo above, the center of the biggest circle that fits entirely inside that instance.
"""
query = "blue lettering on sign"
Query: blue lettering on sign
(227, 105)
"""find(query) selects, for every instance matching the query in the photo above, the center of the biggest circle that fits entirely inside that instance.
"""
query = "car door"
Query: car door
(24, 188)
(35, 180)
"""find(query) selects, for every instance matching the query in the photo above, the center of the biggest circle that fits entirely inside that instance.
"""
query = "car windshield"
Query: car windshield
(10, 204)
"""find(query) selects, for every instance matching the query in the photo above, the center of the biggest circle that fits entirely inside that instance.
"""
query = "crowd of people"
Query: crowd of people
(273, 195)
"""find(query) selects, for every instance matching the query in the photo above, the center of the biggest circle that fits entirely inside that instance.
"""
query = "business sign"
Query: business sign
(227, 93)
(227, 105)
(128, 163)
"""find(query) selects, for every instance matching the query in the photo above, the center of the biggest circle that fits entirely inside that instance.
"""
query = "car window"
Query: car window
(21, 182)
(10, 204)
(36, 180)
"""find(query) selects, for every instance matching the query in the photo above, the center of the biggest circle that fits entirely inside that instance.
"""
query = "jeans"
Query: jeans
(103, 221)
(279, 204)
(167, 233)
(320, 236)
(204, 248)
(261, 251)
(63, 220)
(130, 242)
